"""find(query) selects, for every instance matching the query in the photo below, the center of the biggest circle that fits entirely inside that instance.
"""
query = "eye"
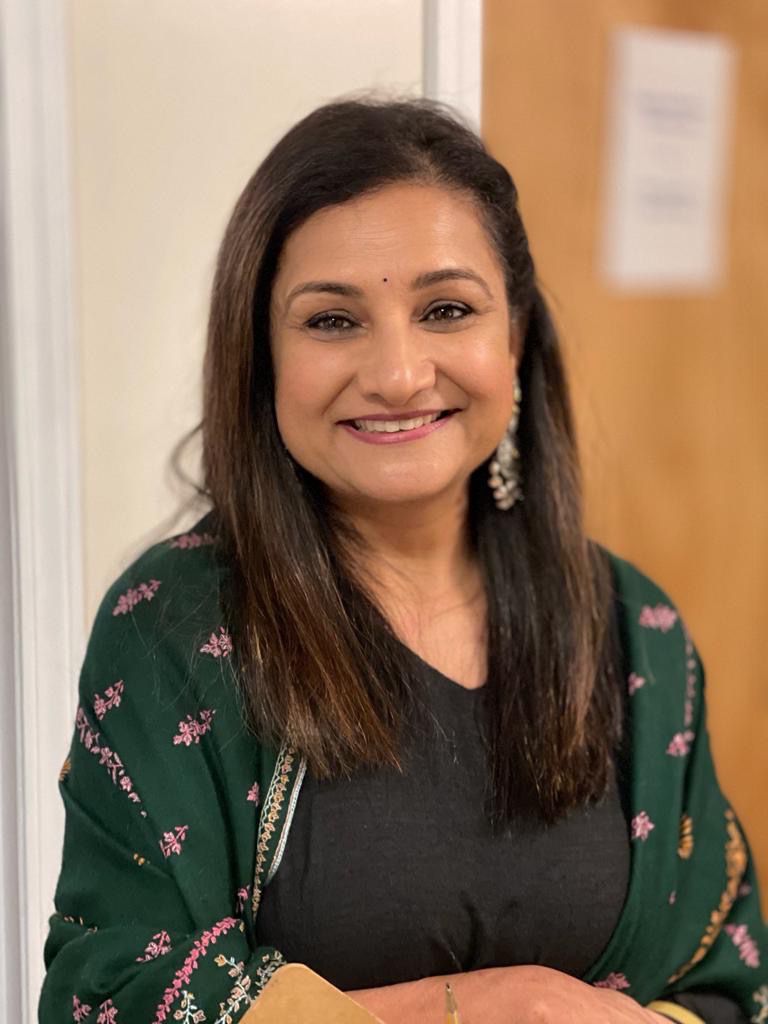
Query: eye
(446, 312)
(330, 323)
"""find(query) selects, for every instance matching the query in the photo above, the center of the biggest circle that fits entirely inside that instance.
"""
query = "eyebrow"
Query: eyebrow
(419, 282)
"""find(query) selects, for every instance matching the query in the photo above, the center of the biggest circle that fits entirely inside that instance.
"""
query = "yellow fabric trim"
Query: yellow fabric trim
(675, 1012)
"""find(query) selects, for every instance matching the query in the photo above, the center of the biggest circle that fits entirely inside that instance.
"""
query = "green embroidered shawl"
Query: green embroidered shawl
(176, 817)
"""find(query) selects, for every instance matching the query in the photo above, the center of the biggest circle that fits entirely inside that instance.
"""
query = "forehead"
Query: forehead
(399, 229)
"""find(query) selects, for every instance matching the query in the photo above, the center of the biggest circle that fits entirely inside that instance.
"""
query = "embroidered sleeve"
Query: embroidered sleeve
(691, 924)
(729, 952)
(152, 918)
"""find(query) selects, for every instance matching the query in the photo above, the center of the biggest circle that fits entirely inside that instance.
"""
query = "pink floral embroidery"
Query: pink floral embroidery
(642, 826)
(144, 592)
(171, 841)
(79, 1010)
(688, 711)
(111, 761)
(111, 699)
(191, 540)
(746, 945)
(191, 730)
(661, 617)
(184, 973)
(690, 678)
(673, 897)
(680, 744)
(634, 682)
(159, 945)
(219, 646)
(615, 980)
(242, 898)
(107, 1013)
(87, 736)
(745, 889)
(253, 794)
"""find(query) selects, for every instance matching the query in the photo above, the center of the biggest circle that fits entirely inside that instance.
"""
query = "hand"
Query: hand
(540, 995)
(506, 995)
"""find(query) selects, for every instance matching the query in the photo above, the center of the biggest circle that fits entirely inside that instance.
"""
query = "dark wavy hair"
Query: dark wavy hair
(319, 664)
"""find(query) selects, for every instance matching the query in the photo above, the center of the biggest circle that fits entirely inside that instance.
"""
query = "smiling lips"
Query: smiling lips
(385, 429)
(390, 426)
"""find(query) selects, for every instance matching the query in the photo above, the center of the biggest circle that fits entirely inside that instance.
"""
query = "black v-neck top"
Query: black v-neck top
(389, 877)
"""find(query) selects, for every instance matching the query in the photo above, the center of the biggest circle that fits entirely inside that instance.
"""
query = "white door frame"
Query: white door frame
(40, 394)
(453, 55)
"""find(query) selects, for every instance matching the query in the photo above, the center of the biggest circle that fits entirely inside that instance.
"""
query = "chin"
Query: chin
(403, 495)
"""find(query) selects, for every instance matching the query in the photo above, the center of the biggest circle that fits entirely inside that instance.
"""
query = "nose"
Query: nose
(396, 366)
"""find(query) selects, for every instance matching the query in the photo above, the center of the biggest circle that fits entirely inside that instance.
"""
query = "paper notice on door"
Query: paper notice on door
(668, 134)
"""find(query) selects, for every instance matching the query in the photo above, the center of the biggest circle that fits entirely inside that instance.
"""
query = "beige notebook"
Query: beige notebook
(296, 995)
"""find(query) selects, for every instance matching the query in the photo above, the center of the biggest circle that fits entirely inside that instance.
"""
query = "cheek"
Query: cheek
(488, 372)
(290, 395)
(305, 385)
(296, 377)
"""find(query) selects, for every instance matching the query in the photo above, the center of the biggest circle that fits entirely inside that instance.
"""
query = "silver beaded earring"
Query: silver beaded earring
(504, 476)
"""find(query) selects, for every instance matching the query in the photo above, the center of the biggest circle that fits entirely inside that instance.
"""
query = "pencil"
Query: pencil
(451, 1009)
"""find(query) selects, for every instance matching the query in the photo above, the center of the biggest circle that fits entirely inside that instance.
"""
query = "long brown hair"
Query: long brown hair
(320, 666)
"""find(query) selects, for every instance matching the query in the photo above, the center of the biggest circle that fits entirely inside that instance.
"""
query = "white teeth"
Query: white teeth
(391, 426)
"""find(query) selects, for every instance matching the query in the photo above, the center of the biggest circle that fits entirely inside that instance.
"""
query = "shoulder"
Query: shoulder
(664, 674)
(162, 619)
(642, 600)
(170, 573)
(632, 585)
(173, 579)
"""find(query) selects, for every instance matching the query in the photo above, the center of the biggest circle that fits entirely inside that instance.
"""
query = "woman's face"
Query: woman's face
(388, 310)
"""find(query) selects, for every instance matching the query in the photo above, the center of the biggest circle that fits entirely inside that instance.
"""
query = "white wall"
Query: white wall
(127, 130)
(175, 103)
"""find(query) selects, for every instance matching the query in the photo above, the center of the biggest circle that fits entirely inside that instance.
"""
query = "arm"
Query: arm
(724, 977)
(692, 887)
(152, 913)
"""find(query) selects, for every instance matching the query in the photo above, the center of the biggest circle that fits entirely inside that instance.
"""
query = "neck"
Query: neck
(416, 558)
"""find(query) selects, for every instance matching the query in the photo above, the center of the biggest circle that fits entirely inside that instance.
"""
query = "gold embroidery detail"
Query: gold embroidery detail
(271, 962)
(735, 866)
(761, 998)
(77, 920)
(269, 815)
(65, 770)
(239, 994)
(685, 843)
(139, 860)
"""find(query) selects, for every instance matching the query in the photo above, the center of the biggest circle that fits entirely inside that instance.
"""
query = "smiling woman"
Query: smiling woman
(387, 710)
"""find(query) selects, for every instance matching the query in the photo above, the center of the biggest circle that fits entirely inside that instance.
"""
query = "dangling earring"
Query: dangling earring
(504, 478)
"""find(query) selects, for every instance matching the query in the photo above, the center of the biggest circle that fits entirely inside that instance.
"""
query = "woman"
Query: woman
(386, 710)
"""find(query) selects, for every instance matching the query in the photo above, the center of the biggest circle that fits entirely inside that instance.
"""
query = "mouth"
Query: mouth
(397, 426)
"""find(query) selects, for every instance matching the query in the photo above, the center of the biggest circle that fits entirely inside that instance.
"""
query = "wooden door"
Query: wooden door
(670, 392)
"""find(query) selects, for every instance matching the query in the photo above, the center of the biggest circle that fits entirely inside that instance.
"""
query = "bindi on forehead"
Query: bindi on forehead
(385, 279)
